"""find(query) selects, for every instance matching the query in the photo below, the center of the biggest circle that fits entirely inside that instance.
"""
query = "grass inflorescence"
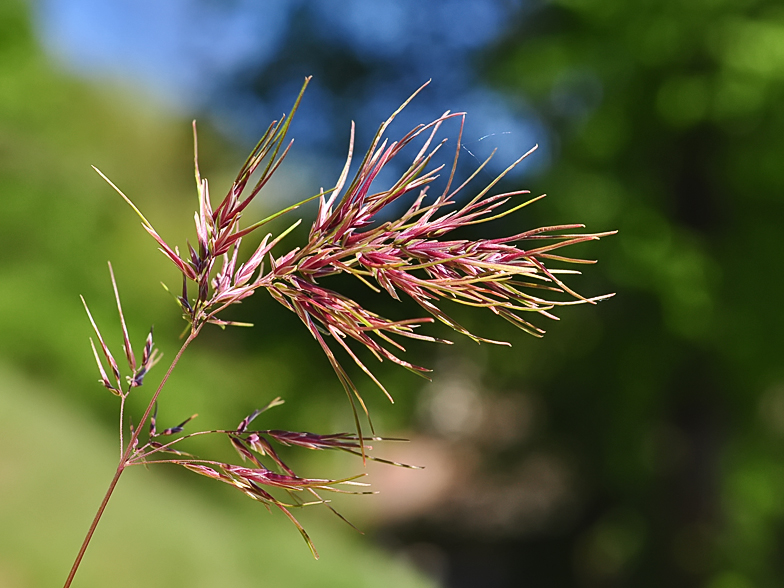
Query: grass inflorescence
(409, 252)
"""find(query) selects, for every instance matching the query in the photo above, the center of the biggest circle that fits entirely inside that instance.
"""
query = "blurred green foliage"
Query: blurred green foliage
(670, 129)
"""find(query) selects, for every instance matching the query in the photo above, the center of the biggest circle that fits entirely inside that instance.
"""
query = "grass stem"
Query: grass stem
(125, 457)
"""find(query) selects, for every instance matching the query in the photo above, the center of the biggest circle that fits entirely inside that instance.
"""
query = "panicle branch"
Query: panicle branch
(413, 255)
(258, 481)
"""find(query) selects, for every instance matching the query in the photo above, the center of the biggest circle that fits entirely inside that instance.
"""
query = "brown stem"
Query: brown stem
(122, 420)
(94, 524)
(124, 459)
(145, 416)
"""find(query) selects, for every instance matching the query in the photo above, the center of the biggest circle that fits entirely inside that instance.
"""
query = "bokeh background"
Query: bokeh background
(640, 443)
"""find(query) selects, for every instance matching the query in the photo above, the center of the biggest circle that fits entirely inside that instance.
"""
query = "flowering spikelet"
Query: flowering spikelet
(149, 358)
(412, 254)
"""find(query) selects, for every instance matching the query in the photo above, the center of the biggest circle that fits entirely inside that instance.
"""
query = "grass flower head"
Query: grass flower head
(360, 229)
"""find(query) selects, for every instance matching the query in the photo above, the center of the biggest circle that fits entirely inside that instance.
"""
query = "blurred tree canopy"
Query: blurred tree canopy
(671, 130)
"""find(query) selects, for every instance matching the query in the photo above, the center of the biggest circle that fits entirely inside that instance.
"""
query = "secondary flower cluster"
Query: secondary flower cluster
(258, 481)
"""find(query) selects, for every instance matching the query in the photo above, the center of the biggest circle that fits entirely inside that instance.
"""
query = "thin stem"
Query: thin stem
(140, 456)
(184, 461)
(122, 411)
(94, 524)
(150, 406)
(124, 458)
